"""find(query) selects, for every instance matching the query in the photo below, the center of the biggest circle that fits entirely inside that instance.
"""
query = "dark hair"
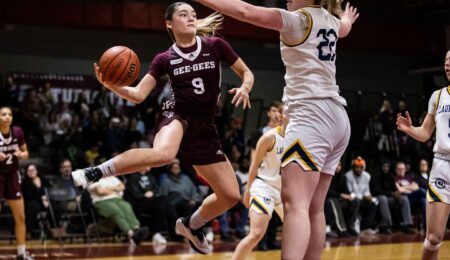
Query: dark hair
(276, 104)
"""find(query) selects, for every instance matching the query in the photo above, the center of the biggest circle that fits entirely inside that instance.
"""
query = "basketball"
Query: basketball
(119, 66)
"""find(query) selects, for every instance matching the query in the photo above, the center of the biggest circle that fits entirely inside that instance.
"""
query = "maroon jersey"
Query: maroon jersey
(195, 75)
(8, 145)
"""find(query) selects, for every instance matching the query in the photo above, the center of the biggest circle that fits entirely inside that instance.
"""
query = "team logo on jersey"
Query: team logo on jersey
(219, 152)
(440, 183)
(177, 61)
(267, 200)
(205, 54)
(167, 114)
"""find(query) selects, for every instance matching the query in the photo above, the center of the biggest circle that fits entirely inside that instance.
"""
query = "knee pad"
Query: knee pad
(427, 244)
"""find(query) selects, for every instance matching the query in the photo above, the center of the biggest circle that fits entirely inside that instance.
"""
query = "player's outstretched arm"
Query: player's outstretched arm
(421, 133)
(133, 94)
(269, 18)
(262, 147)
(241, 95)
(348, 17)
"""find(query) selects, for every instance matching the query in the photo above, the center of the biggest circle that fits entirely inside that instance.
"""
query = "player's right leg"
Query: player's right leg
(258, 226)
(437, 216)
(165, 147)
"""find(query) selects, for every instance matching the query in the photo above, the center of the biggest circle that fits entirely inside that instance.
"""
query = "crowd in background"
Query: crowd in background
(379, 187)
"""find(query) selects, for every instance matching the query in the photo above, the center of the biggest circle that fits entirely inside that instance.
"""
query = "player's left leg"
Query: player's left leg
(317, 218)
(223, 181)
(18, 212)
(297, 192)
(437, 216)
(258, 226)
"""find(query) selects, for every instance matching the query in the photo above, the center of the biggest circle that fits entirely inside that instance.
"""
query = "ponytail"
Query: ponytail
(209, 25)
(333, 6)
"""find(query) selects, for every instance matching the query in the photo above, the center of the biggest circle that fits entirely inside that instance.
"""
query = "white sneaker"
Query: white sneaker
(196, 237)
(79, 179)
(209, 235)
(158, 239)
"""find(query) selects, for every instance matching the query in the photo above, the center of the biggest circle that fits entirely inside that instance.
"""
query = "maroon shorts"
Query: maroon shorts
(201, 142)
(10, 186)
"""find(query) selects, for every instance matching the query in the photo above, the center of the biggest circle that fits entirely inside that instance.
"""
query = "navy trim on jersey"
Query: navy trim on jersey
(308, 32)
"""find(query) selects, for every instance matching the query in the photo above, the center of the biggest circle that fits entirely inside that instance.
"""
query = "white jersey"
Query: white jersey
(269, 171)
(308, 49)
(439, 106)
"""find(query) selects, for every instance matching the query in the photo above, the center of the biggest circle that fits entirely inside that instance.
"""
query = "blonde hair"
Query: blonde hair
(207, 26)
(333, 6)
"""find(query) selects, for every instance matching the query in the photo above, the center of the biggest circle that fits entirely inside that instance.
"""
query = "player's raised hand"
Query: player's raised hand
(241, 95)
(99, 76)
(404, 123)
(350, 13)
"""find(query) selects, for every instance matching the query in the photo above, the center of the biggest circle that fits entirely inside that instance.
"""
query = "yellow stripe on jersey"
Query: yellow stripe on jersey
(437, 102)
(297, 149)
(308, 32)
(273, 144)
(259, 205)
(434, 195)
(448, 89)
(279, 131)
(314, 6)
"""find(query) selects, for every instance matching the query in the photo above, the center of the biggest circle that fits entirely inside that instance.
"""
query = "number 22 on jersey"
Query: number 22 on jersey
(327, 47)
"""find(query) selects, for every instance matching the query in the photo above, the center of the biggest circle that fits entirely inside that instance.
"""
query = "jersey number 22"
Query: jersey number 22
(327, 47)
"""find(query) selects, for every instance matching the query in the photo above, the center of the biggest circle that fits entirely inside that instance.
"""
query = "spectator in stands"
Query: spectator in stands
(421, 178)
(408, 187)
(383, 186)
(114, 136)
(358, 184)
(180, 190)
(143, 193)
(64, 196)
(36, 201)
(108, 202)
(339, 201)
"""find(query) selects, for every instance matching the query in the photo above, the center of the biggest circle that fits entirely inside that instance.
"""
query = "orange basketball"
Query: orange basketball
(119, 66)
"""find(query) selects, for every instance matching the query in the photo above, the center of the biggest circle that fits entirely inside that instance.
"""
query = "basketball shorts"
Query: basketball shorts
(265, 199)
(201, 142)
(10, 188)
(317, 134)
(439, 182)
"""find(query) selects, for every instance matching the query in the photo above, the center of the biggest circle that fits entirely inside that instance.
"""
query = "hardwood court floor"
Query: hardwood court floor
(393, 247)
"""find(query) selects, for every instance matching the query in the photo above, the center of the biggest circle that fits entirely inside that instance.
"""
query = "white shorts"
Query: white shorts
(439, 182)
(317, 135)
(265, 199)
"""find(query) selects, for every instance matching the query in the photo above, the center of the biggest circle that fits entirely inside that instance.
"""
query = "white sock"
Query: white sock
(107, 168)
(21, 249)
(197, 221)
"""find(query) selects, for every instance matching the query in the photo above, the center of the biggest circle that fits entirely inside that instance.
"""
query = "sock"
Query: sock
(107, 168)
(197, 221)
(21, 249)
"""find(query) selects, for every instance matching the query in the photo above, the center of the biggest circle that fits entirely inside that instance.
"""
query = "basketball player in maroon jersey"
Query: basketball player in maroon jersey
(186, 124)
(13, 148)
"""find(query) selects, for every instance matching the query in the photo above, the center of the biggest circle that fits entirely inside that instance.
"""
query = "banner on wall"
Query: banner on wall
(64, 87)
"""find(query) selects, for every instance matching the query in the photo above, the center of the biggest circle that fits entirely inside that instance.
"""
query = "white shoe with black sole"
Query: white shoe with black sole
(196, 238)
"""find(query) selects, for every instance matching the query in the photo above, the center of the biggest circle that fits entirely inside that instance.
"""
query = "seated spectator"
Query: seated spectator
(108, 202)
(383, 186)
(180, 190)
(33, 189)
(358, 181)
(143, 193)
(339, 201)
(407, 186)
(65, 197)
